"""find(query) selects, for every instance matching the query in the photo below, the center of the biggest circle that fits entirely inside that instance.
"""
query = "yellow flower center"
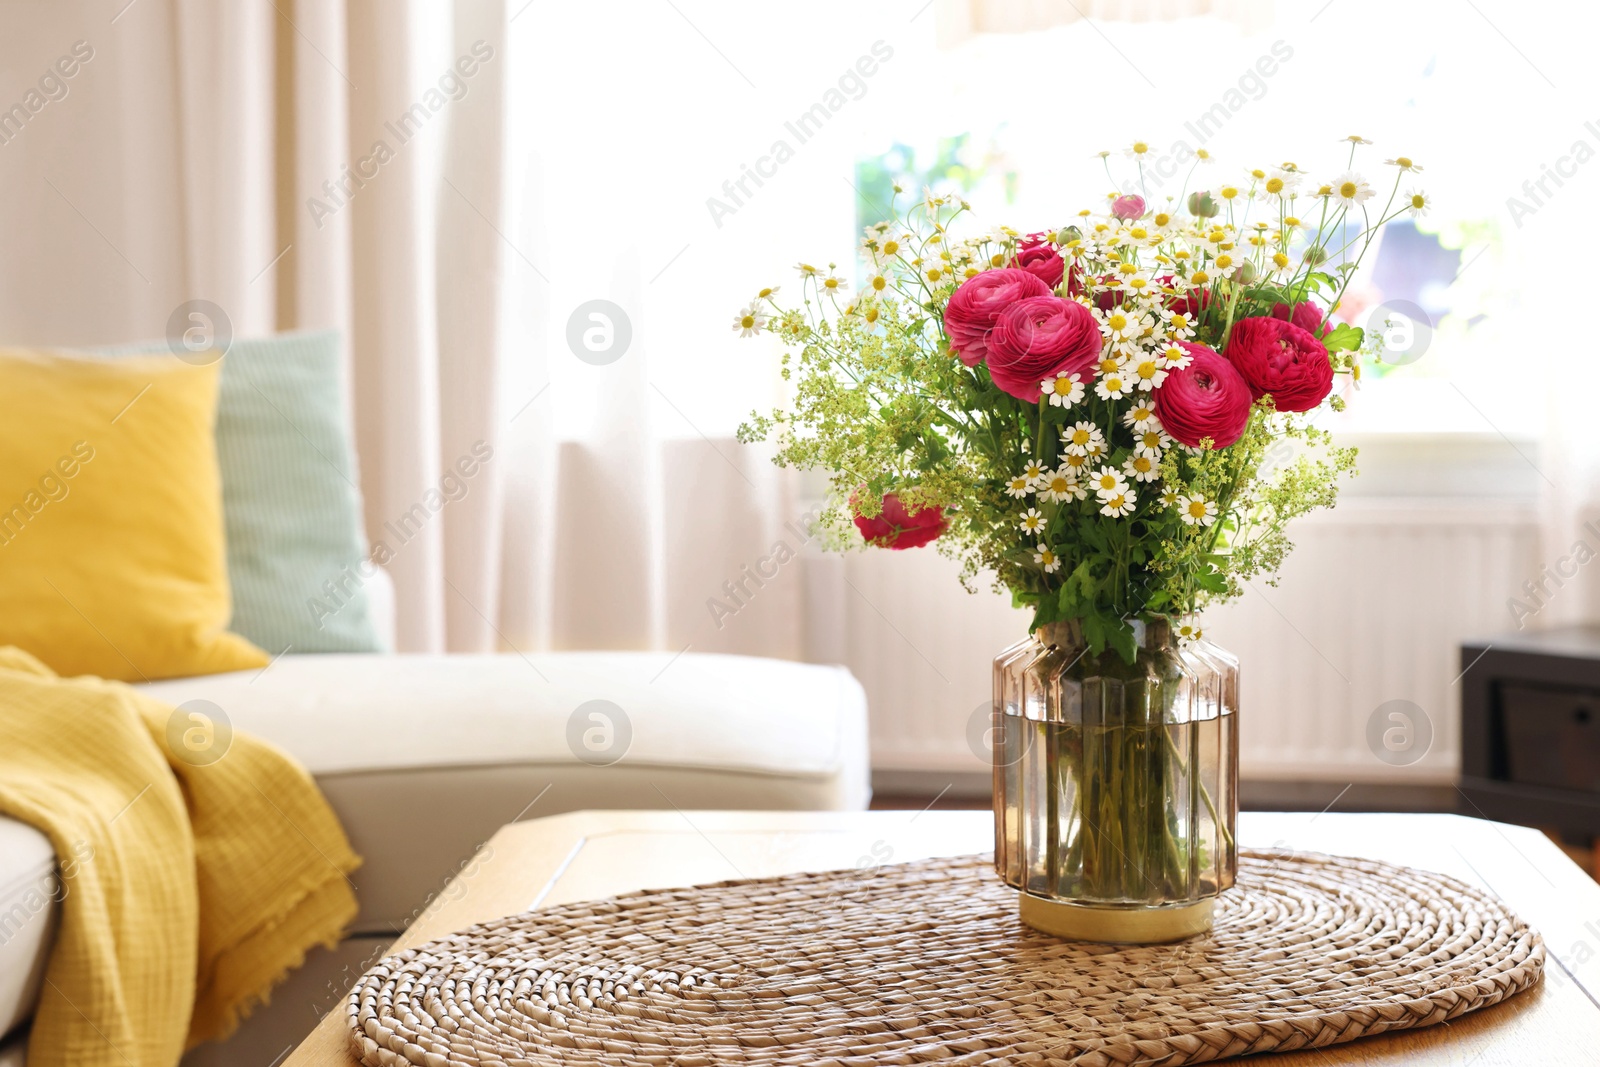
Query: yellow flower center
(1063, 387)
(1347, 189)
(1197, 508)
(1147, 370)
(1280, 260)
(872, 315)
(1274, 185)
(1404, 161)
(1141, 464)
(1151, 439)
(1417, 200)
(1224, 262)
(1107, 366)
(1200, 277)
(1258, 174)
(1138, 233)
(832, 283)
(1229, 192)
(879, 282)
(1161, 218)
(763, 294)
(1140, 148)
(891, 247)
(1080, 437)
(1118, 322)
(747, 321)
(1291, 221)
(996, 259)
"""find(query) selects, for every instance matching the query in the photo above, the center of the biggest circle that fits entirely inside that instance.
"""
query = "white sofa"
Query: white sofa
(423, 757)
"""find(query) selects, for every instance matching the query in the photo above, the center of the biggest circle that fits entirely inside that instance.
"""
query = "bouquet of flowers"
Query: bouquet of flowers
(1116, 419)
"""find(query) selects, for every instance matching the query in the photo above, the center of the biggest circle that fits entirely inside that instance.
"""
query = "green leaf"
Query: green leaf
(1121, 638)
(1344, 338)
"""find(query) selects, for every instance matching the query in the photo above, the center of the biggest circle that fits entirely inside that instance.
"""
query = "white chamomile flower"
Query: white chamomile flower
(1223, 264)
(937, 272)
(1061, 485)
(1189, 632)
(1152, 440)
(1064, 390)
(1112, 385)
(1147, 372)
(1170, 497)
(1034, 472)
(1108, 480)
(1179, 324)
(1074, 465)
(1018, 486)
(1046, 559)
(807, 270)
(1139, 285)
(1080, 437)
(1196, 510)
(1121, 324)
(1350, 189)
(1118, 503)
(1278, 184)
(1141, 467)
(1137, 150)
(1032, 521)
(1404, 163)
(1357, 139)
(832, 283)
(1139, 417)
(749, 322)
(768, 293)
(1419, 203)
(1174, 357)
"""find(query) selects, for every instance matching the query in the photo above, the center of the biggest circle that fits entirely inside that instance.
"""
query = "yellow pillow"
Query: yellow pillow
(111, 545)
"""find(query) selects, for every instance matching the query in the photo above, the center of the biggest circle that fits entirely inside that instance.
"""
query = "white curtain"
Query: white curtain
(360, 165)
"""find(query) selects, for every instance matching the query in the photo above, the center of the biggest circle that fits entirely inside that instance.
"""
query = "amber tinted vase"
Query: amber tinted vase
(1116, 784)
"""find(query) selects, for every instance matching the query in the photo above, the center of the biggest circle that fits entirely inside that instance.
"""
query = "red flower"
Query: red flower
(1282, 359)
(1305, 315)
(973, 307)
(1038, 338)
(1207, 398)
(897, 528)
(1128, 208)
(1039, 258)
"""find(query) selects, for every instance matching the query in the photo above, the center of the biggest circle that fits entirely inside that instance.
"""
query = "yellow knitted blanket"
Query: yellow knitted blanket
(190, 884)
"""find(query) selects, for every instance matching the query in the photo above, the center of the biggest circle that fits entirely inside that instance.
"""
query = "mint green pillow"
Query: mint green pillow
(297, 557)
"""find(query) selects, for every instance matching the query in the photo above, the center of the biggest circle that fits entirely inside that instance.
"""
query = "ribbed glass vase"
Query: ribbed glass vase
(1116, 784)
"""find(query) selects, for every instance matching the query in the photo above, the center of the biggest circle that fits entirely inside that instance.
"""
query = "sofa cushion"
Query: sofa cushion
(111, 517)
(28, 913)
(423, 757)
(297, 556)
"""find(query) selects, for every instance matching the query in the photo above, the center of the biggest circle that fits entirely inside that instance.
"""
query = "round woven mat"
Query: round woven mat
(927, 961)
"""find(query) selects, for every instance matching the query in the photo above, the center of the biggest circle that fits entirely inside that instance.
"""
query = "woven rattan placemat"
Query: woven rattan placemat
(927, 961)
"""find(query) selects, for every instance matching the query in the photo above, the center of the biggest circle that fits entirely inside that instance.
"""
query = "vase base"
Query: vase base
(1135, 926)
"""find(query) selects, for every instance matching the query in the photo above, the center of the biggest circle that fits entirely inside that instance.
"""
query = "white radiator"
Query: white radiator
(1370, 608)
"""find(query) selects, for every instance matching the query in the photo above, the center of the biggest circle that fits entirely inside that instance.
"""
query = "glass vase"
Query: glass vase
(1116, 784)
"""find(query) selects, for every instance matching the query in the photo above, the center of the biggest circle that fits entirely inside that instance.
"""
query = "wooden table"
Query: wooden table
(585, 855)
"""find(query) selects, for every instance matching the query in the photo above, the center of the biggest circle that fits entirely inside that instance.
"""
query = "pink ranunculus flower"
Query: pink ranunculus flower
(1305, 315)
(1208, 398)
(1128, 208)
(895, 527)
(1038, 257)
(1038, 338)
(1279, 358)
(970, 314)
